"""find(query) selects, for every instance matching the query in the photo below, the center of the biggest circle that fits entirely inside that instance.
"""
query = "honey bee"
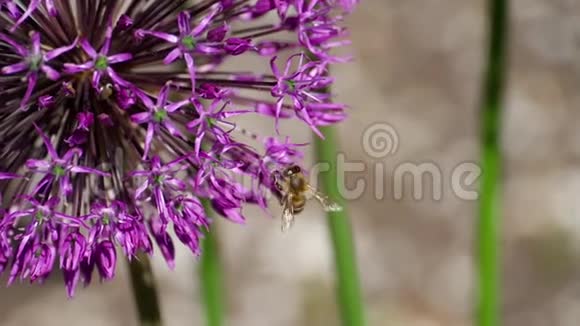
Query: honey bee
(296, 191)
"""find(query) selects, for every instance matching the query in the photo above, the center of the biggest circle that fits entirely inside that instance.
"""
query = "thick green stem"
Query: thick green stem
(488, 227)
(144, 291)
(348, 285)
(211, 277)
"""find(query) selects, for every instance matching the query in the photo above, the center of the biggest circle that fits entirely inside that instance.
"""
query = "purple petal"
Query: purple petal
(274, 67)
(71, 68)
(32, 78)
(145, 100)
(50, 7)
(46, 101)
(65, 185)
(163, 93)
(204, 23)
(108, 37)
(96, 79)
(191, 68)
(175, 106)
(31, 8)
(148, 139)
(141, 117)
(172, 56)
(58, 51)
(71, 279)
(50, 73)
(171, 128)
(106, 259)
(70, 154)
(183, 21)
(83, 169)
(47, 143)
(12, 69)
(122, 57)
(88, 48)
(35, 37)
(117, 79)
(19, 48)
(7, 176)
(164, 36)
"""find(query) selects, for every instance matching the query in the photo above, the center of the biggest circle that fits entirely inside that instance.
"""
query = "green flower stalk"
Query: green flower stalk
(211, 279)
(349, 292)
(488, 227)
(144, 292)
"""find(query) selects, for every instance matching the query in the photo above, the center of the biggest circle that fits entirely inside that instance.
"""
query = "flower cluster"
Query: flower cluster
(118, 118)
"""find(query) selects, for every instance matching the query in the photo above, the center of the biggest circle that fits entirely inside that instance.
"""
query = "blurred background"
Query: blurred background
(418, 68)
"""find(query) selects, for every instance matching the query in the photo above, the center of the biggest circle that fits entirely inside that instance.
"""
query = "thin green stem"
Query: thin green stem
(210, 274)
(488, 227)
(144, 291)
(348, 285)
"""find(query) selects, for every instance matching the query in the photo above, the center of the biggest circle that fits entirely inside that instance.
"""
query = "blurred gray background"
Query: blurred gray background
(418, 68)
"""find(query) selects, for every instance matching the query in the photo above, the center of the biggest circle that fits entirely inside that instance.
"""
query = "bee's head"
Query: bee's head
(292, 170)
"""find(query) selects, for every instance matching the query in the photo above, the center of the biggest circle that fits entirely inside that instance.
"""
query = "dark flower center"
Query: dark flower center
(101, 63)
(39, 216)
(158, 179)
(291, 85)
(34, 62)
(159, 115)
(188, 42)
(58, 170)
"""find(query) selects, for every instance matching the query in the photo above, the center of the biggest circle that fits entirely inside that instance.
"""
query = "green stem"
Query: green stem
(144, 291)
(488, 228)
(211, 277)
(348, 286)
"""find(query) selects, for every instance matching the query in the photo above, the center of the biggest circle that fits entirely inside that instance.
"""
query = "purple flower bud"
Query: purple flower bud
(41, 262)
(164, 241)
(270, 48)
(67, 89)
(105, 119)
(124, 22)
(106, 259)
(85, 120)
(209, 91)
(46, 101)
(237, 46)
(71, 279)
(5, 251)
(189, 236)
(291, 23)
(72, 251)
(86, 268)
(125, 98)
(217, 34)
(77, 138)
(262, 7)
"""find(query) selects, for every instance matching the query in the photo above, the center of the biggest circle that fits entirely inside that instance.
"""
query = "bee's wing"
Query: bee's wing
(287, 213)
(327, 203)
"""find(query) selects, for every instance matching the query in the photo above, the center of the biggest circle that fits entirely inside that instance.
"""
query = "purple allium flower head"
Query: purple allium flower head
(116, 122)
